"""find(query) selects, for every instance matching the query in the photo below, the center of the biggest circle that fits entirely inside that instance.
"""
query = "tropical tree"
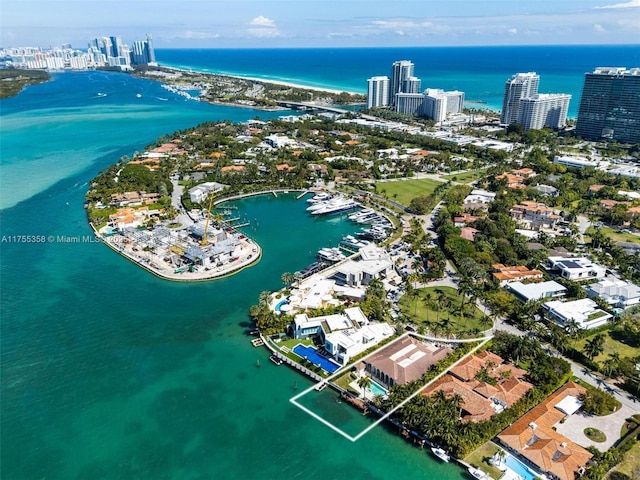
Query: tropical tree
(594, 346)
(287, 279)
(364, 382)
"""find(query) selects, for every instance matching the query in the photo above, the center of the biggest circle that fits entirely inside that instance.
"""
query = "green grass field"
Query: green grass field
(466, 177)
(440, 319)
(630, 461)
(403, 191)
(611, 345)
(620, 236)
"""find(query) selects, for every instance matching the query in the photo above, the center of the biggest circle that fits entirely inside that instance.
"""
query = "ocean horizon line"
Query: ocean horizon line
(386, 47)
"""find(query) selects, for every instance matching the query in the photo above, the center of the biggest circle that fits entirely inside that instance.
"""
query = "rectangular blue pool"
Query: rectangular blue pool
(310, 354)
(520, 468)
(377, 389)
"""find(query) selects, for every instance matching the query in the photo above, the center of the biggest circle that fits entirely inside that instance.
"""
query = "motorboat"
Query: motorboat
(477, 473)
(276, 359)
(330, 254)
(441, 454)
(349, 242)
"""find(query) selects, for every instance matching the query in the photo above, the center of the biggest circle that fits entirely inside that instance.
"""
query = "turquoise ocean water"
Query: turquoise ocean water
(480, 72)
(109, 372)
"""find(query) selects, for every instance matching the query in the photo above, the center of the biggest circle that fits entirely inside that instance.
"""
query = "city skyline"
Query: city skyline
(350, 23)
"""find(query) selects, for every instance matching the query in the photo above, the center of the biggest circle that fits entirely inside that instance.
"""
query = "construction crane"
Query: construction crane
(206, 223)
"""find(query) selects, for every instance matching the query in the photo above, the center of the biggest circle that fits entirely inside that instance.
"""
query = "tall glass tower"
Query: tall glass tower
(610, 105)
(401, 71)
(521, 85)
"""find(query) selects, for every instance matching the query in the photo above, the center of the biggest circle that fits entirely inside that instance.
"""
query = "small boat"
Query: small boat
(441, 454)
(477, 473)
(100, 94)
(257, 342)
(138, 95)
(276, 359)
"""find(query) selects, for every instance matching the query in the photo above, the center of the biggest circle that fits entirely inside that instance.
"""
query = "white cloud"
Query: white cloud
(629, 4)
(598, 28)
(263, 27)
(513, 31)
(261, 21)
(198, 35)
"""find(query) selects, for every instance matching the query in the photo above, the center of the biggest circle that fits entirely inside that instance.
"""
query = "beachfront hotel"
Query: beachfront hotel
(519, 86)
(610, 105)
(401, 71)
(377, 92)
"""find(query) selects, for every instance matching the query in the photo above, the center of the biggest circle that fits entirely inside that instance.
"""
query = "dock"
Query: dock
(302, 194)
(274, 194)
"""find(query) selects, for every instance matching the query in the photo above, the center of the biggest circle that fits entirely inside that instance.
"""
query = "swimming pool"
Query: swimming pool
(281, 303)
(520, 468)
(310, 354)
(377, 389)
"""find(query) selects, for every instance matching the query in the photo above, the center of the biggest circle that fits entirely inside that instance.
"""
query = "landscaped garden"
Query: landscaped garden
(442, 310)
(465, 177)
(404, 191)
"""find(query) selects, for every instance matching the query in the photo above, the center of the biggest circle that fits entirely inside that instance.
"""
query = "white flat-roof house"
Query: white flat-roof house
(579, 162)
(200, 192)
(536, 291)
(584, 311)
(615, 292)
(575, 269)
(344, 335)
(480, 196)
(374, 262)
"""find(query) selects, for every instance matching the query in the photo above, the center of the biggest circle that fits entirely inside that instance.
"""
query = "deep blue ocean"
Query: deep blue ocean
(109, 372)
(480, 72)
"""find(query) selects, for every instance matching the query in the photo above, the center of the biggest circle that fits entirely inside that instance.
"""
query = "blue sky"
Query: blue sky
(327, 23)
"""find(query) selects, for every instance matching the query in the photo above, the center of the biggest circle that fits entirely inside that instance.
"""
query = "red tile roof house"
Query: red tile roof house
(482, 400)
(533, 436)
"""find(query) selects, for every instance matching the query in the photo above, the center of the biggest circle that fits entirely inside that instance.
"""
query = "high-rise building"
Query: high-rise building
(151, 53)
(409, 103)
(438, 103)
(377, 92)
(411, 85)
(519, 86)
(544, 110)
(401, 71)
(610, 105)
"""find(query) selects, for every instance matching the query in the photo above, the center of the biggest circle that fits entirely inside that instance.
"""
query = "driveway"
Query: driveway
(573, 427)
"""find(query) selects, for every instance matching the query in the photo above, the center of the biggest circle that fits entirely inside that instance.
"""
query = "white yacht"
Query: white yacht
(319, 197)
(335, 205)
(330, 254)
(441, 454)
(350, 242)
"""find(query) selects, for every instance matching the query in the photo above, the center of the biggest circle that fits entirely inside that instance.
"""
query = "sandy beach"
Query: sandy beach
(262, 80)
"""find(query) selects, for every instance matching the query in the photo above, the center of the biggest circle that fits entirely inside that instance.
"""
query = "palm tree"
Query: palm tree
(594, 346)
(364, 383)
(428, 302)
(573, 329)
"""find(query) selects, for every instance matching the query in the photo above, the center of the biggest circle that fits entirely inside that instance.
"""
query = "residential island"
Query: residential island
(492, 289)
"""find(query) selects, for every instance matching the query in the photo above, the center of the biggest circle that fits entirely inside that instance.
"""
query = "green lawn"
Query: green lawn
(620, 236)
(466, 177)
(440, 319)
(630, 460)
(611, 345)
(403, 191)
(617, 236)
(480, 456)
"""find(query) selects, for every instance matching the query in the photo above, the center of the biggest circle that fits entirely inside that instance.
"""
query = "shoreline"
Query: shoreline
(260, 80)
